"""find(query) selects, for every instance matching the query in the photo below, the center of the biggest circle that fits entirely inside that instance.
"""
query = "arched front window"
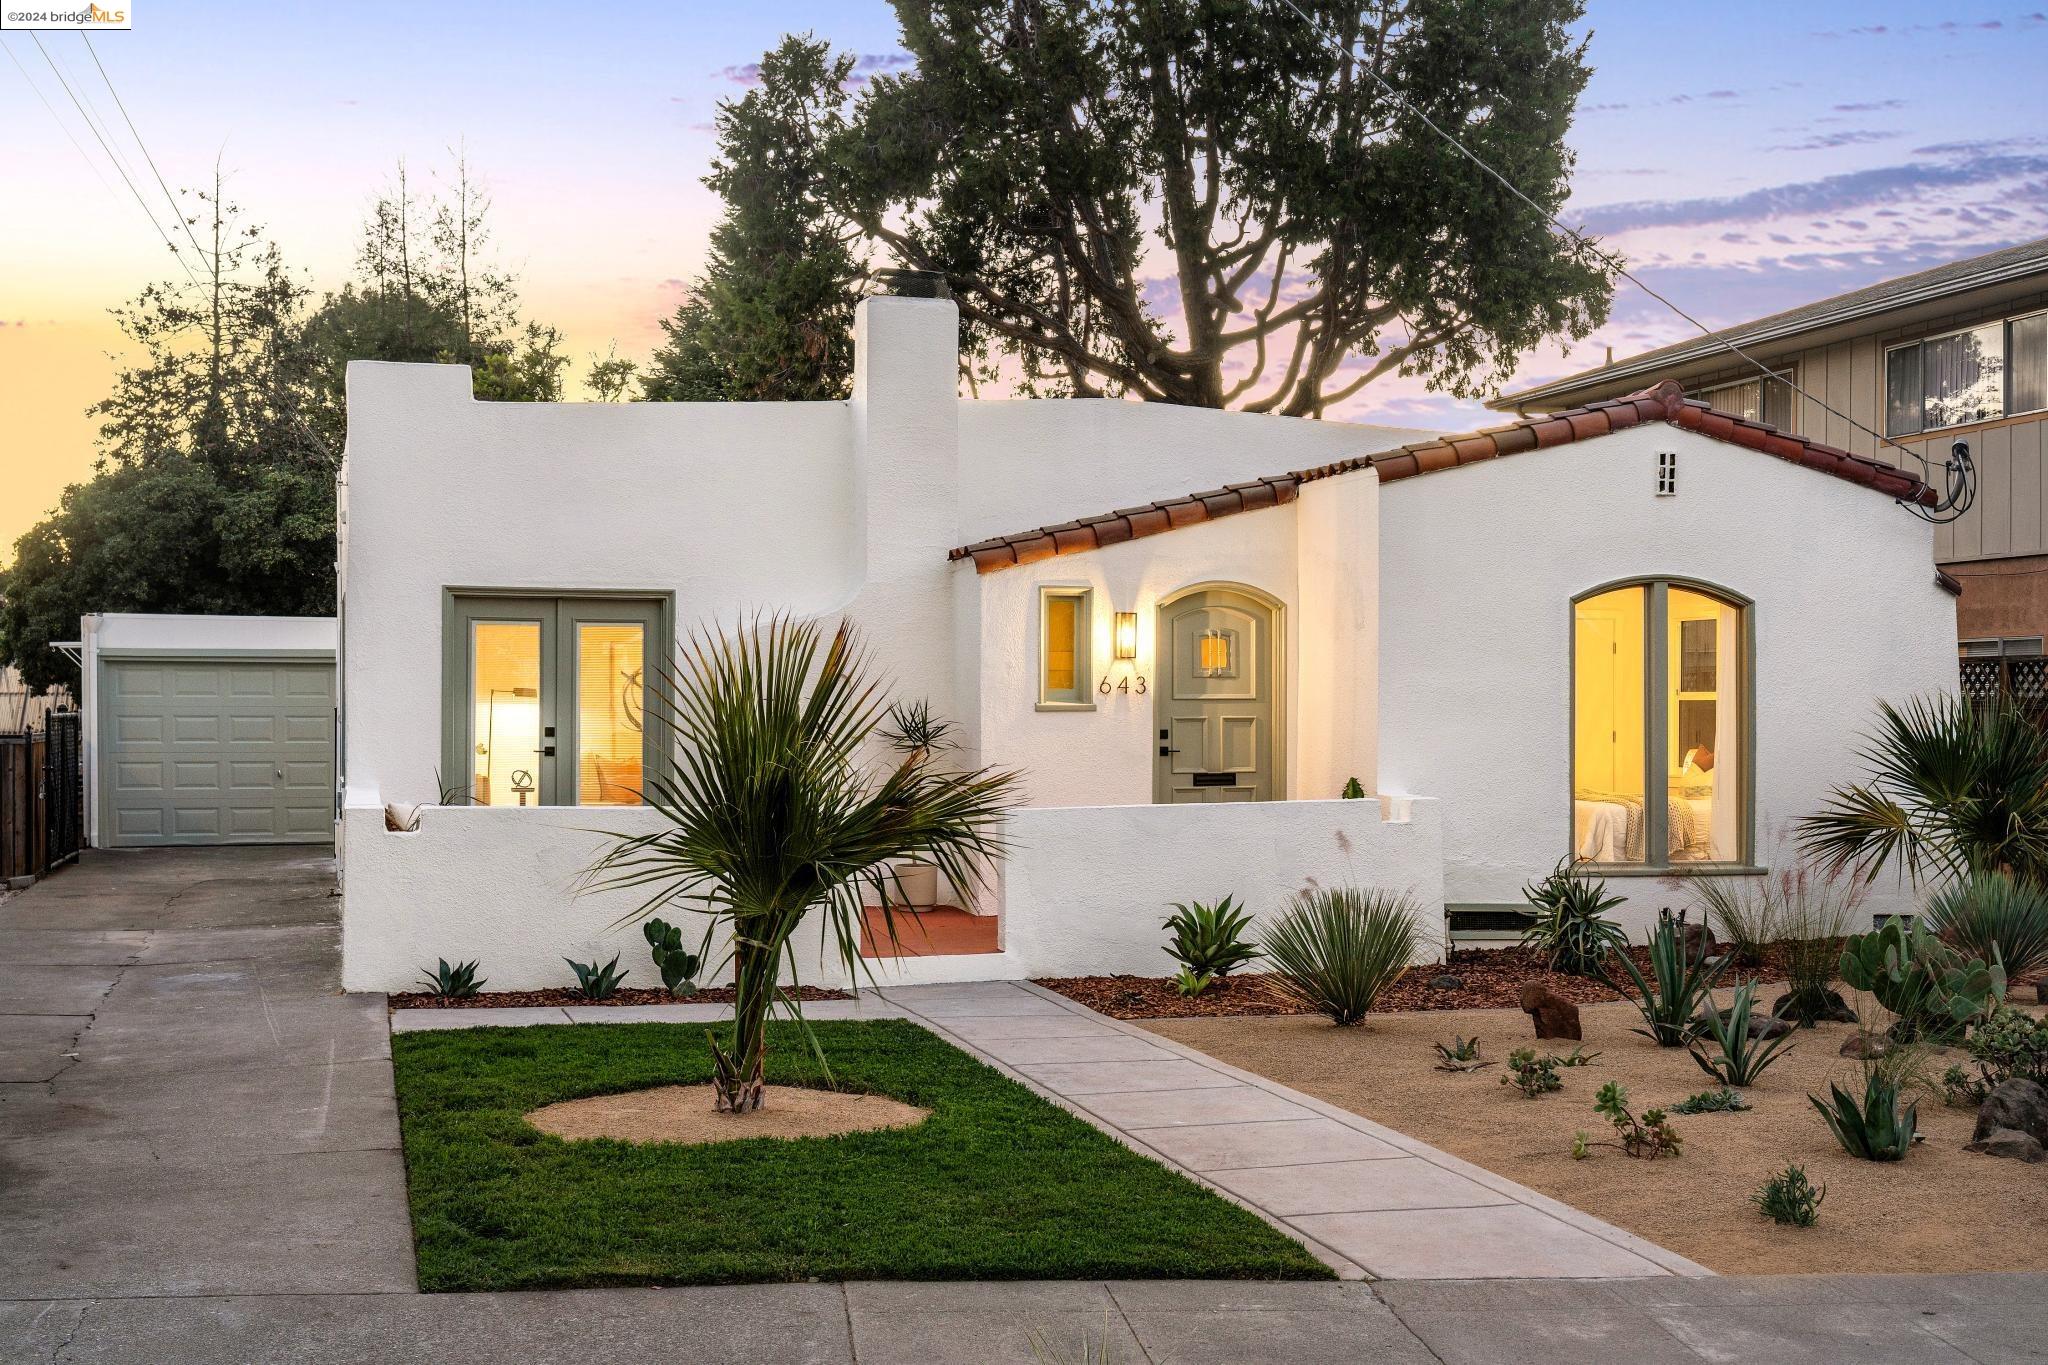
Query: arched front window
(1660, 726)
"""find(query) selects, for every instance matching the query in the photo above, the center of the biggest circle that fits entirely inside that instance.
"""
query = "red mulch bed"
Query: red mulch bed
(569, 995)
(1492, 979)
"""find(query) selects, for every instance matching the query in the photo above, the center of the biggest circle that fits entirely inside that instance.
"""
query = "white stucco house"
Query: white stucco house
(1641, 633)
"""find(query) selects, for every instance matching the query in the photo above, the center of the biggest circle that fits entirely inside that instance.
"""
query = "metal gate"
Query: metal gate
(42, 798)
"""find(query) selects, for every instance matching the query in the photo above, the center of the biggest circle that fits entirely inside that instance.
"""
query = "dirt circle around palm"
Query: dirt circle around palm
(687, 1114)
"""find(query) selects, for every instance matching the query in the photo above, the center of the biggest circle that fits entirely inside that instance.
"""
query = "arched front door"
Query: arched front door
(1216, 710)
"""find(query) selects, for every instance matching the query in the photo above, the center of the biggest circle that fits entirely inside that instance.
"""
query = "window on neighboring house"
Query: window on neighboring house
(1757, 400)
(1065, 630)
(544, 698)
(1978, 374)
(1660, 698)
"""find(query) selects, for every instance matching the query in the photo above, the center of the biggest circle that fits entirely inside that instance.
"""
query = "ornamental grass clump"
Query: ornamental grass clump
(773, 812)
(1571, 928)
(1337, 950)
(1818, 910)
(1995, 917)
(1679, 982)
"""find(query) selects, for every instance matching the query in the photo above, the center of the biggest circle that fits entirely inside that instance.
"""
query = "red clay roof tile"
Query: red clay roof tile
(1664, 402)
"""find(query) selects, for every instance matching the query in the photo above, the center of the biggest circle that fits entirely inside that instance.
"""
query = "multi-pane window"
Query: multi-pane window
(1977, 374)
(1660, 689)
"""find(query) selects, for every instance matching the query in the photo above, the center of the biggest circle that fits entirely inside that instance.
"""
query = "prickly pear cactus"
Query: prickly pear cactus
(1921, 979)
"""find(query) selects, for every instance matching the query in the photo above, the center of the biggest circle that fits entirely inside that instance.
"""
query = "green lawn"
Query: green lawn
(997, 1184)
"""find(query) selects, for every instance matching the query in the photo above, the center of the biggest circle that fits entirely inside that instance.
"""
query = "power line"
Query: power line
(1613, 261)
(94, 119)
(147, 212)
(136, 133)
(61, 124)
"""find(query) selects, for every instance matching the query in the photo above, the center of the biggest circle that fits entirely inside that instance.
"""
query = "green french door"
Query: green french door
(545, 698)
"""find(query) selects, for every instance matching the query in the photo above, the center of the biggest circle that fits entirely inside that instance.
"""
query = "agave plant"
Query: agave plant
(1996, 917)
(1875, 1130)
(458, 982)
(1670, 997)
(1209, 939)
(1929, 985)
(1736, 1058)
(1571, 928)
(1951, 790)
(1336, 950)
(771, 816)
(597, 981)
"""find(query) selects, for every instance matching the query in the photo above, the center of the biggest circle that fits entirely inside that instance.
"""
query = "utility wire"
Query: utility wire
(69, 136)
(136, 133)
(140, 203)
(1611, 260)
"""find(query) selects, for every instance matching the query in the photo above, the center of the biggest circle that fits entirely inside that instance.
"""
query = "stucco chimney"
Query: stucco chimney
(906, 439)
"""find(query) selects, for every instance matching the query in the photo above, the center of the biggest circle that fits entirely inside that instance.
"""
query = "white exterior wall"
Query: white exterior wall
(1482, 563)
(1087, 889)
(138, 635)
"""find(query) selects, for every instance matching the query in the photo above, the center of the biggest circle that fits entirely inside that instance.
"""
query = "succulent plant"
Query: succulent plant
(1930, 986)
(677, 965)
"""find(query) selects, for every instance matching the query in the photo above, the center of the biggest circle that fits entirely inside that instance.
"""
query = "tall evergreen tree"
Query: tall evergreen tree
(771, 317)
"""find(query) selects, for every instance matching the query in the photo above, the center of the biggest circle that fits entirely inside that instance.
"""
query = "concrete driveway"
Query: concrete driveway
(199, 1162)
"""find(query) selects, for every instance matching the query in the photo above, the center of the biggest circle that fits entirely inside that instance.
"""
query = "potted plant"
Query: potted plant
(914, 732)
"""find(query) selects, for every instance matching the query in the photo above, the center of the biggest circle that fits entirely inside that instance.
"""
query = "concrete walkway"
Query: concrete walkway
(199, 1163)
(1370, 1201)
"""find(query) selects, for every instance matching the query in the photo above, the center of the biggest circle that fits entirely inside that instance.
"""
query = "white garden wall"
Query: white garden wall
(1483, 561)
(1086, 889)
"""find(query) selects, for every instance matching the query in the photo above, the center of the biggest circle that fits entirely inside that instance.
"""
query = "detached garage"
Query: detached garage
(208, 729)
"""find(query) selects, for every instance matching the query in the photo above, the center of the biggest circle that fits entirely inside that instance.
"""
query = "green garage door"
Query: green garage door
(217, 752)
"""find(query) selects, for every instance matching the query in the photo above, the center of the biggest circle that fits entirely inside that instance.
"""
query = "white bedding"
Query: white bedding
(1600, 829)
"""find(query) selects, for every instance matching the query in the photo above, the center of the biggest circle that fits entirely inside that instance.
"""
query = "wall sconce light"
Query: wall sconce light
(1126, 635)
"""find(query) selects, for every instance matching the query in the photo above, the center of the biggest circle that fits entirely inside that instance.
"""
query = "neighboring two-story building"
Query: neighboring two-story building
(1957, 352)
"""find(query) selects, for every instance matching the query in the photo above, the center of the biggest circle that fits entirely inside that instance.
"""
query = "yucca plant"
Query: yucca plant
(1996, 917)
(1209, 940)
(1736, 1058)
(1875, 1130)
(1952, 789)
(1337, 950)
(458, 982)
(772, 815)
(597, 981)
(1670, 997)
(1571, 928)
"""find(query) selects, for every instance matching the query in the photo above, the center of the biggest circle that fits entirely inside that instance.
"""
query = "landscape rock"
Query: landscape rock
(1837, 1011)
(2041, 991)
(2018, 1104)
(1694, 935)
(2009, 1142)
(1553, 1015)
(1865, 1046)
(1447, 982)
(1765, 1026)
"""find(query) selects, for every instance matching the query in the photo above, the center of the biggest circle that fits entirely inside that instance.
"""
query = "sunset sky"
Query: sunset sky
(1747, 156)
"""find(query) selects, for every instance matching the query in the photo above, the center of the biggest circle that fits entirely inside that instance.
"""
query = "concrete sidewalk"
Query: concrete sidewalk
(199, 1162)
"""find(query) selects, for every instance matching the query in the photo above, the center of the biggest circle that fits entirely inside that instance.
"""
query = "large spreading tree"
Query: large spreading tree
(1221, 203)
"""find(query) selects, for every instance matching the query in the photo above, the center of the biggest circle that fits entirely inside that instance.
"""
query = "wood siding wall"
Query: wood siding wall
(2010, 517)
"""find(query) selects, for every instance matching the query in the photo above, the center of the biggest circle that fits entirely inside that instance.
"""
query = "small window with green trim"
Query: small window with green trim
(1065, 630)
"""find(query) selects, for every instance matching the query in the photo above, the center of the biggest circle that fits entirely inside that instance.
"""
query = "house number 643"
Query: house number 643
(1125, 686)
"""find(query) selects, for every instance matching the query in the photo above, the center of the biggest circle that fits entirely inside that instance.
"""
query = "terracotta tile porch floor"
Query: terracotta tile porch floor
(942, 931)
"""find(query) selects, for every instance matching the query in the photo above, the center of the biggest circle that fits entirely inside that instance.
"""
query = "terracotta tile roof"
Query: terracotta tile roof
(1665, 402)
(1130, 523)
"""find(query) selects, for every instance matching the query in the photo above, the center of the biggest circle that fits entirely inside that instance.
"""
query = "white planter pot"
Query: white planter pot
(915, 885)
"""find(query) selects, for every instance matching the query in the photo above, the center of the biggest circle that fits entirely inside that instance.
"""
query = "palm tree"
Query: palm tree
(1952, 791)
(773, 813)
